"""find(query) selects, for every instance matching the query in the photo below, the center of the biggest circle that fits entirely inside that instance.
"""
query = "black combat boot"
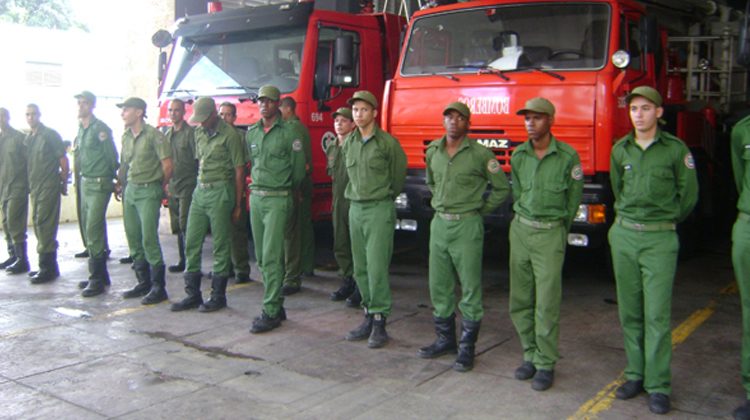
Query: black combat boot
(158, 292)
(346, 290)
(355, 299)
(143, 276)
(11, 257)
(445, 329)
(378, 336)
(194, 298)
(48, 268)
(180, 266)
(218, 299)
(84, 283)
(98, 277)
(242, 278)
(21, 265)
(465, 360)
(363, 331)
(265, 323)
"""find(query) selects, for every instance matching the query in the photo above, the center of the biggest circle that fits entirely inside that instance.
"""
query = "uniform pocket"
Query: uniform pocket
(661, 182)
(554, 195)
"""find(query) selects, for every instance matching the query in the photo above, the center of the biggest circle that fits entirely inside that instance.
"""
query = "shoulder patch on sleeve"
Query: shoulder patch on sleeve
(577, 172)
(103, 136)
(297, 145)
(493, 166)
(689, 161)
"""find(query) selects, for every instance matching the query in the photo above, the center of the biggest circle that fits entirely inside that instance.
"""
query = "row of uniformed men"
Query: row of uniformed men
(653, 179)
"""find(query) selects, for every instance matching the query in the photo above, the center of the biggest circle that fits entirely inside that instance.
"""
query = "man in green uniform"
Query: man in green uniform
(299, 243)
(48, 178)
(148, 158)
(181, 137)
(547, 187)
(240, 253)
(277, 167)
(458, 171)
(740, 152)
(14, 194)
(97, 164)
(376, 165)
(655, 187)
(343, 124)
(217, 202)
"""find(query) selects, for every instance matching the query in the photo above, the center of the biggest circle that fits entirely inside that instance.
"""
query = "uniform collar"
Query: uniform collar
(630, 138)
(276, 123)
(465, 143)
(526, 146)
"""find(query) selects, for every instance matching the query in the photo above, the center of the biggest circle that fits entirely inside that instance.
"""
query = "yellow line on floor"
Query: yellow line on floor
(603, 399)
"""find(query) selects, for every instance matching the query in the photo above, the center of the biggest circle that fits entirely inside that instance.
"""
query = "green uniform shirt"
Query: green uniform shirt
(277, 157)
(219, 152)
(550, 188)
(13, 171)
(304, 134)
(458, 183)
(337, 169)
(95, 152)
(143, 155)
(376, 166)
(658, 184)
(45, 148)
(741, 162)
(184, 165)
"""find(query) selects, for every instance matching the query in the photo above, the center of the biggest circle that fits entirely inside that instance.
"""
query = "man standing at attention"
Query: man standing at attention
(181, 137)
(376, 165)
(547, 187)
(278, 168)
(48, 179)
(97, 165)
(458, 171)
(216, 203)
(148, 158)
(14, 195)
(655, 187)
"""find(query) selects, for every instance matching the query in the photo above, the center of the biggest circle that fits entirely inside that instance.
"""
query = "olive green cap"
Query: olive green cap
(344, 112)
(363, 95)
(269, 91)
(459, 107)
(539, 105)
(647, 92)
(88, 96)
(133, 102)
(202, 109)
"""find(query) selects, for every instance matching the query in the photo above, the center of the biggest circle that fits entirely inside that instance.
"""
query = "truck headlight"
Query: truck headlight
(402, 202)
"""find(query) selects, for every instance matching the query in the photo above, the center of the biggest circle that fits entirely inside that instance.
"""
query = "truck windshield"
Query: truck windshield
(235, 65)
(543, 35)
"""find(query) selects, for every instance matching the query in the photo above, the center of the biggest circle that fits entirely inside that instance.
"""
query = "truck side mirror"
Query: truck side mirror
(649, 34)
(343, 62)
(162, 65)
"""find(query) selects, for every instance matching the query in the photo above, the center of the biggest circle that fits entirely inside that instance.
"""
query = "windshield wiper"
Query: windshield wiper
(536, 68)
(448, 76)
(491, 70)
(251, 91)
(188, 91)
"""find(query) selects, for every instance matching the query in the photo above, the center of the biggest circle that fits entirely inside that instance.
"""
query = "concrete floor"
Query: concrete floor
(64, 356)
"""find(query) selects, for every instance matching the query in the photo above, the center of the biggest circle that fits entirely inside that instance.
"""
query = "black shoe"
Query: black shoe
(143, 276)
(242, 278)
(194, 299)
(363, 331)
(355, 300)
(378, 336)
(97, 273)
(658, 403)
(525, 371)
(158, 292)
(32, 273)
(466, 345)
(629, 389)
(126, 260)
(742, 412)
(82, 284)
(177, 268)
(190, 302)
(218, 299)
(543, 380)
(445, 343)
(82, 254)
(48, 268)
(343, 292)
(265, 323)
(290, 289)
(21, 264)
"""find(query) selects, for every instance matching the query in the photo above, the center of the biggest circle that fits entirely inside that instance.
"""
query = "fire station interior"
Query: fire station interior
(69, 357)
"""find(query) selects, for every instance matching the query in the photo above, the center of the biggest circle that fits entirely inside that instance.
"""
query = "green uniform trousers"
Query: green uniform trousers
(456, 256)
(371, 229)
(269, 216)
(79, 210)
(307, 238)
(536, 261)
(45, 214)
(96, 195)
(342, 244)
(644, 265)
(741, 262)
(298, 246)
(240, 250)
(15, 216)
(179, 208)
(141, 216)
(211, 206)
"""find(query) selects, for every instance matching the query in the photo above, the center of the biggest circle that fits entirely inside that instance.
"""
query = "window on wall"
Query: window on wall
(324, 66)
